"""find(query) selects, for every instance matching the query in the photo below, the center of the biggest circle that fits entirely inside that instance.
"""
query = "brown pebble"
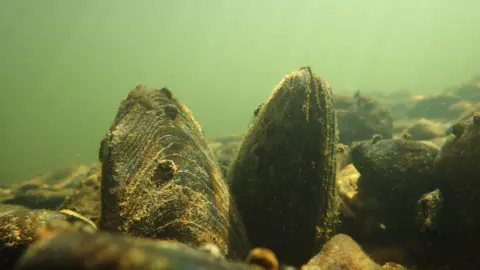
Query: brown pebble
(263, 257)
(393, 266)
(341, 252)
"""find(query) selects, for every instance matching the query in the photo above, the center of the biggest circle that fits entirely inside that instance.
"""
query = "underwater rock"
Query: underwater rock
(343, 100)
(438, 142)
(424, 129)
(467, 114)
(342, 252)
(350, 208)
(47, 190)
(469, 90)
(224, 149)
(66, 177)
(361, 220)
(87, 251)
(37, 197)
(457, 169)
(160, 179)
(363, 120)
(347, 181)
(386, 255)
(19, 227)
(394, 174)
(283, 177)
(401, 124)
(229, 139)
(399, 103)
(399, 167)
(438, 106)
(460, 107)
(85, 198)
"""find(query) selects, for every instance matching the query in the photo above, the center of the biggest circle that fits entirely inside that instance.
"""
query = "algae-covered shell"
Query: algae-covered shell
(19, 227)
(160, 179)
(283, 177)
(84, 251)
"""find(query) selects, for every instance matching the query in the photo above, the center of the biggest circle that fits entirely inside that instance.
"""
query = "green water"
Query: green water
(66, 65)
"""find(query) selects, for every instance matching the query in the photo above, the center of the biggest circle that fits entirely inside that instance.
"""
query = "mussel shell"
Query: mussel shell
(283, 177)
(160, 179)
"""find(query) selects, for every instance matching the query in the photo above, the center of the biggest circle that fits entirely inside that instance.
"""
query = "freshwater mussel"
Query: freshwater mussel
(160, 199)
